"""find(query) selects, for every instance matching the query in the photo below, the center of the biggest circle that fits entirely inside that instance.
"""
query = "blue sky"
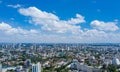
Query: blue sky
(60, 21)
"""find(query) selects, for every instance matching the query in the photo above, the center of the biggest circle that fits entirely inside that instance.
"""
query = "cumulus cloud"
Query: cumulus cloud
(93, 33)
(51, 22)
(106, 26)
(7, 29)
(11, 34)
(14, 6)
(53, 29)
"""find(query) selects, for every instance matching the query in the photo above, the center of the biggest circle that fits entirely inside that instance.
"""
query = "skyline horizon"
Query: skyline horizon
(51, 43)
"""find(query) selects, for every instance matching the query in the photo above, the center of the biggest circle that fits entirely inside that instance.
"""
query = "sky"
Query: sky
(60, 21)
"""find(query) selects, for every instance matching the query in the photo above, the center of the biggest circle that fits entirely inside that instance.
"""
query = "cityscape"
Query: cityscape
(59, 35)
(61, 57)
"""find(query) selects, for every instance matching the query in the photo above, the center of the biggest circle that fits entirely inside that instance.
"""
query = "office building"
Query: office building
(36, 67)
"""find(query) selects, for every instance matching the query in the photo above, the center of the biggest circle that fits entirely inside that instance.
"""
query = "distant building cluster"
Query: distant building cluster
(32, 57)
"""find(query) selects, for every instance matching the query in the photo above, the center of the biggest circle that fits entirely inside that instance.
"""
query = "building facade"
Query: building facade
(36, 67)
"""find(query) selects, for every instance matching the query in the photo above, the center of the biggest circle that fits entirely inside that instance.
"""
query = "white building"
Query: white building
(115, 61)
(107, 61)
(36, 67)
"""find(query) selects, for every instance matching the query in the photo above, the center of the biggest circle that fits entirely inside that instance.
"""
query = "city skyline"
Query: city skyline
(64, 21)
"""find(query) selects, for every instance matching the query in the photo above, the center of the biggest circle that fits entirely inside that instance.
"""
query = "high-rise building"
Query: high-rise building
(36, 67)
(28, 63)
(0, 67)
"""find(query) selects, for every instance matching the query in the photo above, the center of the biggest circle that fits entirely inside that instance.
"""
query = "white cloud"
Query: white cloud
(53, 29)
(93, 33)
(79, 19)
(106, 26)
(7, 29)
(14, 6)
(11, 34)
(98, 36)
(51, 22)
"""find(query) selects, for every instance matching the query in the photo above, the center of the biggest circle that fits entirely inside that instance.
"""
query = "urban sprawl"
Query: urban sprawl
(59, 57)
